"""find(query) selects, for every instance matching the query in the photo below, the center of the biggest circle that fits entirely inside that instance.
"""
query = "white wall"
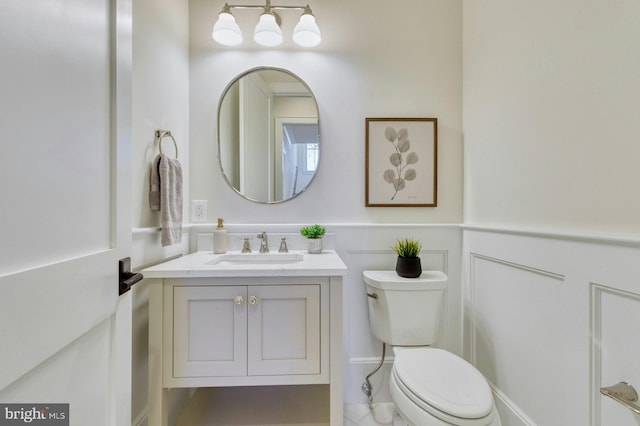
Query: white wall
(550, 98)
(160, 93)
(160, 101)
(375, 61)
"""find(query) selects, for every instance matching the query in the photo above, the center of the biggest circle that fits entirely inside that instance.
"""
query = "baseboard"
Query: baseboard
(510, 413)
(142, 418)
(359, 368)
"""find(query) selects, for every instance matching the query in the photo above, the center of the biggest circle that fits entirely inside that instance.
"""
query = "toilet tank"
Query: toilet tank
(405, 311)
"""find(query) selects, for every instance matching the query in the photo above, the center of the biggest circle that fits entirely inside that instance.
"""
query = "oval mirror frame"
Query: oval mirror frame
(258, 107)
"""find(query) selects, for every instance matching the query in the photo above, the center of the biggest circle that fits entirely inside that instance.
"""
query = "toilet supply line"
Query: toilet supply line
(367, 388)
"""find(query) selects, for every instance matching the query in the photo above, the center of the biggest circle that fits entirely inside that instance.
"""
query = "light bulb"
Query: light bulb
(226, 31)
(268, 32)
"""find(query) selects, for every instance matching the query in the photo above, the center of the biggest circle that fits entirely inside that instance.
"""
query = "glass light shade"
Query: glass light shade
(268, 32)
(226, 31)
(306, 33)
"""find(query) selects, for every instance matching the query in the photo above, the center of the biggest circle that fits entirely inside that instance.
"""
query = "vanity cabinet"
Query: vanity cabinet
(227, 324)
(237, 335)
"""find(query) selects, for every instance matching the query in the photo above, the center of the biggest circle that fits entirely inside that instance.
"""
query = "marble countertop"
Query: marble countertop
(203, 264)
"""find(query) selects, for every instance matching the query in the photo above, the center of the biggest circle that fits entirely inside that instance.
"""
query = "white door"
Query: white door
(255, 137)
(294, 167)
(65, 206)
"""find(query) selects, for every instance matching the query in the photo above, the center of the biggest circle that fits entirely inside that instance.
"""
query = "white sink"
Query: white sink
(258, 258)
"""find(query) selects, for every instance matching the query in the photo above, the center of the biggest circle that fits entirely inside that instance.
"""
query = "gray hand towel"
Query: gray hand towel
(166, 175)
(154, 180)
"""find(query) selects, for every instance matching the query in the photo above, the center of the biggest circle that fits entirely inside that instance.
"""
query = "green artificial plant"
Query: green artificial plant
(407, 247)
(313, 231)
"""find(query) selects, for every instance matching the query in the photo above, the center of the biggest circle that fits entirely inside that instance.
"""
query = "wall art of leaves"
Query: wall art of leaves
(401, 168)
(401, 159)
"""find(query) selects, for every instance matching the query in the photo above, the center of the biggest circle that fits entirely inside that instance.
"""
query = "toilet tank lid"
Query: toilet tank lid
(390, 280)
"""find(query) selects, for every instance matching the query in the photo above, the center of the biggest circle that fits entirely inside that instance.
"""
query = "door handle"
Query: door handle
(126, 278)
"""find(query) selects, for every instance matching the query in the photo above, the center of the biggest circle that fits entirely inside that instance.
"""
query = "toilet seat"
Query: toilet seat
(444, 385)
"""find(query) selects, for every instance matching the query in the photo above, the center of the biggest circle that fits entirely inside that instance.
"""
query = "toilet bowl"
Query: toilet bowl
(429, 386)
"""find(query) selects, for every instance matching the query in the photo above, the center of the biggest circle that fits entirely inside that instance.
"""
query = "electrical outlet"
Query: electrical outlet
(198, 210)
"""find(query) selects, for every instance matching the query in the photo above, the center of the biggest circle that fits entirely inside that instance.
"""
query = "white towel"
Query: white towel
(166, 196)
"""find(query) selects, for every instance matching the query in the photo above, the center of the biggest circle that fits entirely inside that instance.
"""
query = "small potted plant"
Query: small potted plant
(314, 234)
(408, 264)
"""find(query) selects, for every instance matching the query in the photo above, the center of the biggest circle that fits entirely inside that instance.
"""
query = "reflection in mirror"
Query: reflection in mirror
(268, 135)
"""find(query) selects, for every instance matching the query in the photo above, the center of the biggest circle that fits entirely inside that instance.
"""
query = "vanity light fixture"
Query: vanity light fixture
(267, 32)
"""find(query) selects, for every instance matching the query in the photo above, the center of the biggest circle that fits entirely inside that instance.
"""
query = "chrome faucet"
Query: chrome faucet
(264, 244)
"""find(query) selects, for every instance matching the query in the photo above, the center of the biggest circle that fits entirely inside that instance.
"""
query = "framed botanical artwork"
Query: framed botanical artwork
(401, 162)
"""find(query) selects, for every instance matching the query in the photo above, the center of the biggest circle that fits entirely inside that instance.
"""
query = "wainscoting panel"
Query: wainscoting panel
(147, 251)
(519, 311)
(615, 351)
(549, 319)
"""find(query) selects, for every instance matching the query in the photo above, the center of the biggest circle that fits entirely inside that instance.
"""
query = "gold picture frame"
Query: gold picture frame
(401, 162)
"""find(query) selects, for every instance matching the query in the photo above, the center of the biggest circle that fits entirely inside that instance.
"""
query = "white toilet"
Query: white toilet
(429, 386)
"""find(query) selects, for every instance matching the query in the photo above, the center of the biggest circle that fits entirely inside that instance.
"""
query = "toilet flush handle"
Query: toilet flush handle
(372, 295)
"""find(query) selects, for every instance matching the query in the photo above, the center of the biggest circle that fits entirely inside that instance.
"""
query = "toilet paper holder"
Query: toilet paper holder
(623, 393)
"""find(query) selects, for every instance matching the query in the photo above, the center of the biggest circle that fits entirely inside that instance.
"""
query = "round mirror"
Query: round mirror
(268, 135)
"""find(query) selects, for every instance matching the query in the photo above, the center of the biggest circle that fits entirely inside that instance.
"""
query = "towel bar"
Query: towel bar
(161, 134)
(623, 393)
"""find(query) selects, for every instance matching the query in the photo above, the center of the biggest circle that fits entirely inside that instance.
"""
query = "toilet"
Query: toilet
(429, 386)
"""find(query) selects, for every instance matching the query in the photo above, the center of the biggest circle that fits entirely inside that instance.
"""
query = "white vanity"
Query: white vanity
(256, 319)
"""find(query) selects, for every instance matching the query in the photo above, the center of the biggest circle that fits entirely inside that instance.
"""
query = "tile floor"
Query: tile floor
(283, 406)
(381, 414)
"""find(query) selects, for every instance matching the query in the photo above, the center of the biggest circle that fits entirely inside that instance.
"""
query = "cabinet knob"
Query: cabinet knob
(253, 300)
(238, 300)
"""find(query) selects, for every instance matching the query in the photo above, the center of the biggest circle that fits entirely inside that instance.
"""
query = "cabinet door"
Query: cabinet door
(210, 331)
(284, 329)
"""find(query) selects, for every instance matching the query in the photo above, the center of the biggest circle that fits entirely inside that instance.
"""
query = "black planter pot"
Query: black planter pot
(408, 267)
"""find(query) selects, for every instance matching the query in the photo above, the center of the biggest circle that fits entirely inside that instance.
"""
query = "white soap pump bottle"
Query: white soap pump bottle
(220, 238)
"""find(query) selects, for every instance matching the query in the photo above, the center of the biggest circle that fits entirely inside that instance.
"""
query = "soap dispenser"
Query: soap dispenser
(220, 238)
